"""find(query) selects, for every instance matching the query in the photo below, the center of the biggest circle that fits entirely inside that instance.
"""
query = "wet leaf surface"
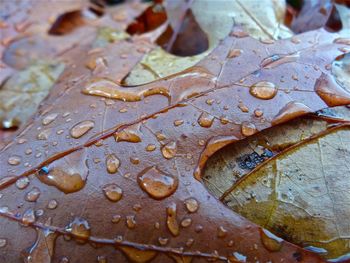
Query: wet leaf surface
(110, 167)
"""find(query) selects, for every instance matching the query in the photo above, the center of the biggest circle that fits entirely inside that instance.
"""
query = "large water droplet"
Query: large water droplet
(67, 174)
(191, 205)
(138, 255)
(205, 120)
(14, 160)
(22, 183)
(81, 128)
(171, 220)
(127, 136)
(80, 228)
(49, 118)
(248, 128)
(169, 150)
(263, 90)
(28, 217)
(156, 183)
(33, 194)
(113, 192)
(270, 241)
(290, 111)
(112, 163)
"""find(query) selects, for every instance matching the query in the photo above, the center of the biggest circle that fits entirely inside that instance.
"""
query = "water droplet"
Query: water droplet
(43, 248)
(248, 128)
(81, 128)
(171, 220)
(222, 232)
(44, 135)
(192, 205)
(150, 147)
(52, 204)
(343, 41)
(277, 60)
(28, 151)
(237, 258)
(234, 53)
(64, 259)
(160, 136)
(243, 107)
(3, 242)
(112, 163)
(33, 195)
(330, 92)
(157, 184)
(28, 217)
(49, 118)
(205, 120)
(270, 241)
(112, 192)
(239, 34)
(67, 174)
(169, 150)
(290, 111)
(101, 259)
(22, 183)
(116, 219)
(263, 90)
(134, 160)
(131, 222)
(186, 222)
(163, 241)
(209, 101)
(14, 160)
(178, 122)
(127, 136)
(80, 229)
(258, 113)
(138, 255)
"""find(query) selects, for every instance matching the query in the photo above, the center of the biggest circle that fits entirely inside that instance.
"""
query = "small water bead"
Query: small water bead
(134, 160)
(80, 228)
(28, 151)
(22, 183)
(343, 41)
(243, 107)
(222, 232)
(163, 241)
(102, 259)
(49, 118)
(14, 160)
(248, 128)
(116, 219)
(171, 220)
(52, 204)
(3, 242)
(186, 222)
(137, 255)
(205, 120)
(33, 194)
(192, 205)
(169, 150)
(263, 90)
(234, 53)
(112, 163)
(160, 136)
(81, 128)
(28, 217)
(209, 101)
(258, 113)
(270, 241)
(150, 147)
(131, 221)
(21, 140)
(44, 135)
(290, 111)
(239, 34)
(237, 257)
(113, 192)
(127, 136)
(156, 183)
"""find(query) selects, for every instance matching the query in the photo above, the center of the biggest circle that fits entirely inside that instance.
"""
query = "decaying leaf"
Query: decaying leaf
(302, 194)
(108, 172)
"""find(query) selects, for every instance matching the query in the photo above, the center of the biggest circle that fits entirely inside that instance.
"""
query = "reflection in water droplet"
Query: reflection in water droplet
(28, 217)
(113, 192)
(67, 174)
(171, 220)
(290, 111)
(270, 241)
(14, 160)
(81, 128)
(248, 128)
(138, 255)
(112, 163)
(80, 228)
(157, 184)
(191, 205)
(263, 90)
(127, 136)
(22, 183)
(33, 195)
(169, 150)
(205, 120)
(49, 118)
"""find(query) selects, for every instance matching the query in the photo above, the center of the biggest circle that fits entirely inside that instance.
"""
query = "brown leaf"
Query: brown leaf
(156, 140)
